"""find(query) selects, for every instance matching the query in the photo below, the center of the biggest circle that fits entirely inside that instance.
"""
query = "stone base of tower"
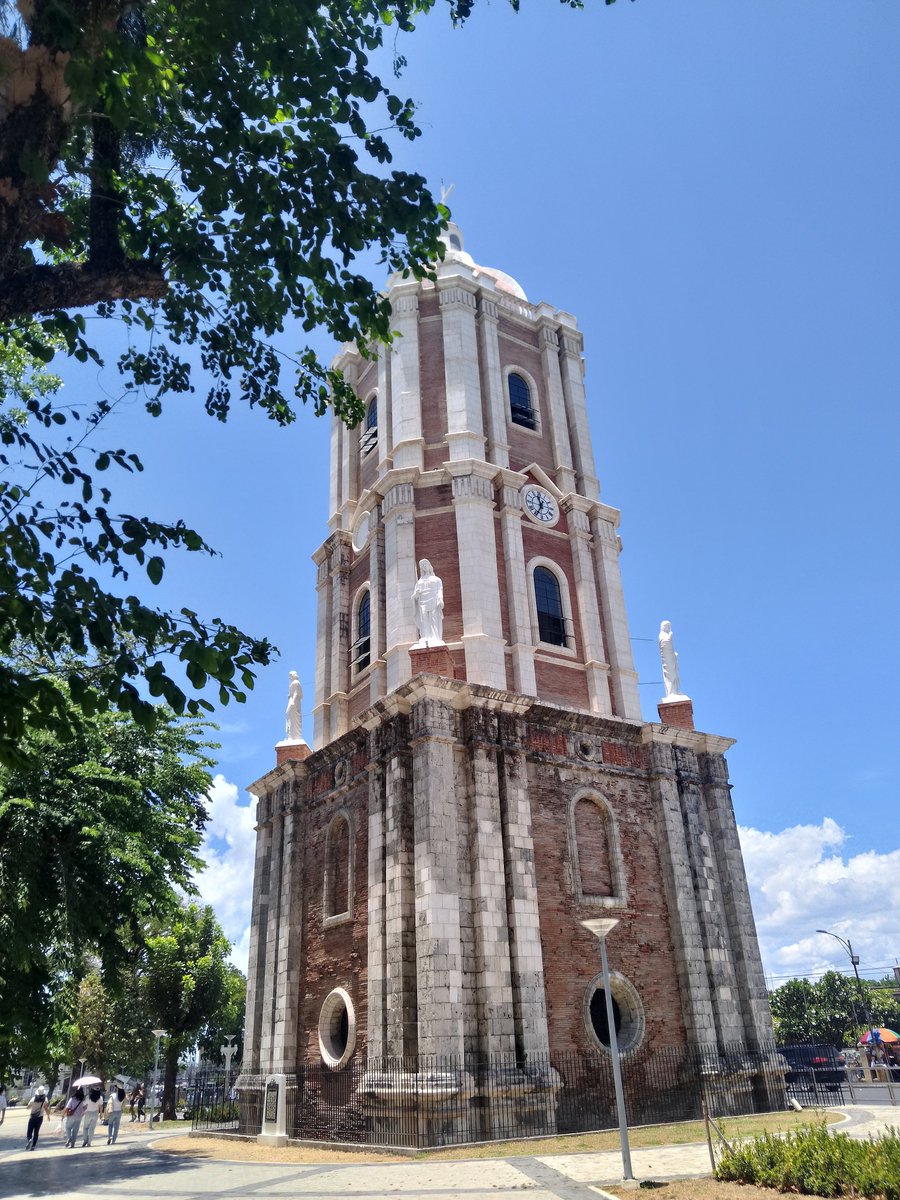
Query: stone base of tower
(417, 959)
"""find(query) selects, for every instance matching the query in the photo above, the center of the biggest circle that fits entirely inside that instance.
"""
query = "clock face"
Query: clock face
(541, 505)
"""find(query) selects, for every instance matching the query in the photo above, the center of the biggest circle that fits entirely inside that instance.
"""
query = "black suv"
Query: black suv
(813, 1065)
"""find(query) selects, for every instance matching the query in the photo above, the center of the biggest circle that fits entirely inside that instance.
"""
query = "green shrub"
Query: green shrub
(814, 1162)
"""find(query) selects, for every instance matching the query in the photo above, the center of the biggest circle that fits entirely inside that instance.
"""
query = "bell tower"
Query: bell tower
(474, 452)
(482, 790)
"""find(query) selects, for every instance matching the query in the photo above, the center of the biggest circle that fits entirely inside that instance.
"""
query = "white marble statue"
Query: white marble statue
(293, 717)
(428, 598)
(669, 656)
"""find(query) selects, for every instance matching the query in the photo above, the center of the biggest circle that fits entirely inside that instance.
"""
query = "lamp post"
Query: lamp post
(228, 1050)
(157, 1033)
(601, 928)
(854, 962)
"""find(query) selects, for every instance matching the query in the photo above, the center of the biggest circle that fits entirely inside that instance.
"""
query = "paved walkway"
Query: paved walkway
(134, 1169)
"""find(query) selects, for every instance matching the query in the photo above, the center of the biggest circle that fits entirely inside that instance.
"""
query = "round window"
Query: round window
(628, 1013)
(337, 1028)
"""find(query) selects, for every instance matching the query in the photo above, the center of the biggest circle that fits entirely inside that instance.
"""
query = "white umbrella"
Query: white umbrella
(86, 1081)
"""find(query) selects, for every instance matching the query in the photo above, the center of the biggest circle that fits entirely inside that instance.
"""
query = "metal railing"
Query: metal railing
(428, 1101)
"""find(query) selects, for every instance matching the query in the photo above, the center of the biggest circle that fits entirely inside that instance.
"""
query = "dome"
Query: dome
(455, 251)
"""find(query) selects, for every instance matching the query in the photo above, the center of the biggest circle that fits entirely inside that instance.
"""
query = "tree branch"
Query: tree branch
(45, 288)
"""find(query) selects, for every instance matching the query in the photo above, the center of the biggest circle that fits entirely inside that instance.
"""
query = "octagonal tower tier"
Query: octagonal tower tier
(475, 452)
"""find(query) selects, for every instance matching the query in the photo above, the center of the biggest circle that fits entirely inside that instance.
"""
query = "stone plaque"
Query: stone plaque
(271, 1113)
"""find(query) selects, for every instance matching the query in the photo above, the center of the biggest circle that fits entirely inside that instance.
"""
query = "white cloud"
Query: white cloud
(226, 881)
(803, 879)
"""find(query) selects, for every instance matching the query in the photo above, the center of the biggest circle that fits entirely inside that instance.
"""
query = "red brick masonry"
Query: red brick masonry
(433, 660)
(679, 713)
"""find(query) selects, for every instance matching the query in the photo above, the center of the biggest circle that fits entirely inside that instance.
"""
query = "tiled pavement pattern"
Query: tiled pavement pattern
(137, 1170)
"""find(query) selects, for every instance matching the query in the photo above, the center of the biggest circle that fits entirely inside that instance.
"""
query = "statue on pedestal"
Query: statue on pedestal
(669, 656)
(428, 598)
(293, 717)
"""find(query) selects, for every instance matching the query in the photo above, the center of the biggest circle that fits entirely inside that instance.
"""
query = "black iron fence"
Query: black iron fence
(451, 1101)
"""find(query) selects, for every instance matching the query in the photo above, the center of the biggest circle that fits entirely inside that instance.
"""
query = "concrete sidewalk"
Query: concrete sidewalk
(137, 1169)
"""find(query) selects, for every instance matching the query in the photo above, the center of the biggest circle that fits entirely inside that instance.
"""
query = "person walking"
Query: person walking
(141, 1101)
(4, 1102)
(114, 1107)
(73, 1112)
(137, 1095)
(93, 1106)
(37, 1110)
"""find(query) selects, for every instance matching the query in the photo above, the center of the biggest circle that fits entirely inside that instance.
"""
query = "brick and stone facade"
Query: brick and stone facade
(421, 876)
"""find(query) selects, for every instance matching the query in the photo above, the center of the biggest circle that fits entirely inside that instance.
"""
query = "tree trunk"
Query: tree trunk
(173, 1053)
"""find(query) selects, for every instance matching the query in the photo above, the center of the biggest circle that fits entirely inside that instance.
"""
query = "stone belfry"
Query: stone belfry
(475, 452)
(473, 796)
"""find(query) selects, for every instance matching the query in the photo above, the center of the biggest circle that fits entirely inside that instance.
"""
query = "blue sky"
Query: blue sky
(712, 189)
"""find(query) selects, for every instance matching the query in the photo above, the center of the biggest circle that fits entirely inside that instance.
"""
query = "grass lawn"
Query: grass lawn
(701, 1189)
(641, 1137)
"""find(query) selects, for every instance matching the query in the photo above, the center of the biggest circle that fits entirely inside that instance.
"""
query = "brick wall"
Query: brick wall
(641, 946)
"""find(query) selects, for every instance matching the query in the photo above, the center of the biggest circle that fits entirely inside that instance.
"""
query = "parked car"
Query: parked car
(813, 1064)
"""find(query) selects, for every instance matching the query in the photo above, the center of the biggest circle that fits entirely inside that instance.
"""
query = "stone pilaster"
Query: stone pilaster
(682, 900)
(268, 1008)
(726, 847)
(321, 707)
(340, 633)
(494, 396)
(406, 401)
(526, 958)
(510, 494)
(398, 509)
(259, 925)
(462, 379)
(290, 921)
(439, 966)
(596, 666)
(564, 475)
(496, 1015)
(710, 900)
(376, 963)
(378, 670)
(572, 373)
(400, 850)
(344, 444)
(473, 502)
(604, 521)
(385, 411)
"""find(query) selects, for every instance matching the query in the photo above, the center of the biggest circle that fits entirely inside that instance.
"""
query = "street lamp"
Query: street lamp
(854, 961)
(601, 928)
(228, 1050)
(157, 1033)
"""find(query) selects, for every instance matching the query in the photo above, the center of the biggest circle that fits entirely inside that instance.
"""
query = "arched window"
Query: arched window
(369, 438)
(592, 841)
(337, 869)
(362, 646)
(548, 602)
(455, 243)
(521, 407)
(597, 864)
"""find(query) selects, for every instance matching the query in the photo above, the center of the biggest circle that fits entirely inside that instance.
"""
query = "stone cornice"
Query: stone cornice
(604, 512)
(348, 358)
(457, 292)
(291, 771)
(688, 739)
(488, 308)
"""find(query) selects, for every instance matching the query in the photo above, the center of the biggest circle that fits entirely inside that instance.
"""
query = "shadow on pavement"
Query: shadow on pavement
(41, 1175)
